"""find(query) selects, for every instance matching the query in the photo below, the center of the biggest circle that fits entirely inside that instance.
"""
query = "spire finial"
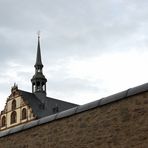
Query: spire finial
(14, 87)
(38, 33)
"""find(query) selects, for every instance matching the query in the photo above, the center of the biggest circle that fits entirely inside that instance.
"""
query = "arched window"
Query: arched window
(3, 121)
(13, 117)
(13, 104)
(24, 114)
(38, 86)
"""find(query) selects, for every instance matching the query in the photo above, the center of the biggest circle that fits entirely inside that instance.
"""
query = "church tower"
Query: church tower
(22, 106)
(38, 80)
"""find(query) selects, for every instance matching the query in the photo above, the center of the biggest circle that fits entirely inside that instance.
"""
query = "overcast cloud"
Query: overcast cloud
(90, 48)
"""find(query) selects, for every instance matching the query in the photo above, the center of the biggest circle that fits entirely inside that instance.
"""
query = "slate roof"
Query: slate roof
(44, 109)
(77, 109)
(32, 101)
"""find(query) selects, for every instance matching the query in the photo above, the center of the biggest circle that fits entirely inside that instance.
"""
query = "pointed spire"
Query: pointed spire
(38, 57)
(38, 80)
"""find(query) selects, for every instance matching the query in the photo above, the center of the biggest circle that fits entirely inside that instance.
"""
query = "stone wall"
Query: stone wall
(121, 124)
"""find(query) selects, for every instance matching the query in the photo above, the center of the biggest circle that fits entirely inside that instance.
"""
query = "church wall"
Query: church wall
(9, 118)
(18, 111)
(20, 104)
(120, 124)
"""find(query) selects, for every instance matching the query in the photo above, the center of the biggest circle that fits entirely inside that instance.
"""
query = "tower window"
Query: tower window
(3, 121)
(13, 104)
(38, 83)
(13, 117)
(24, 114)
(33, 87)
(39, 70)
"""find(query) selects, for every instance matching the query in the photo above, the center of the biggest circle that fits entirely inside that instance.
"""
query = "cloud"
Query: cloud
(88, 47)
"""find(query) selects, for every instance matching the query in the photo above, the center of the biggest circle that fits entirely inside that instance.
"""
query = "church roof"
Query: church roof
(41, 109)
(32, 101)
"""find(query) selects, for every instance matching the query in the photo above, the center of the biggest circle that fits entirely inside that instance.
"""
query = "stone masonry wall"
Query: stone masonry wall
(121, 124)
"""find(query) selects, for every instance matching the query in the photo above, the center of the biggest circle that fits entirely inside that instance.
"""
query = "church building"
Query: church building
(22, 106)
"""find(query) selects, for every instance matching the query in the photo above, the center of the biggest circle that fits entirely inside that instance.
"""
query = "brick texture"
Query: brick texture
(121, 124)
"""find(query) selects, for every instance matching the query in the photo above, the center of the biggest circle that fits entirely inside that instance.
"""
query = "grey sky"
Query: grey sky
(90, 48)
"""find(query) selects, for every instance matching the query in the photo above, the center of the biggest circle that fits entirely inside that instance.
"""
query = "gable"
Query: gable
(16, 111)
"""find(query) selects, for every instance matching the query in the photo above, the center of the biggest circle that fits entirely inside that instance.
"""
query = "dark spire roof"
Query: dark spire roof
(38, 57)
(38, 80)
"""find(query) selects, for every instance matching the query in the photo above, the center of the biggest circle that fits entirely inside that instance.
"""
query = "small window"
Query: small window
(13, 104)
(13, 117)
(39, 70)
(3, 121)
(24, 114)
